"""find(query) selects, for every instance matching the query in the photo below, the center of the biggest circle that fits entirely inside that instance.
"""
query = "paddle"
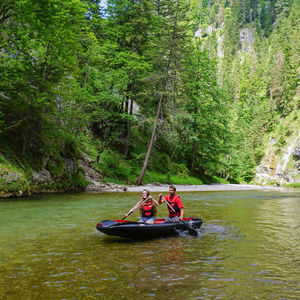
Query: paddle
(131, 211)
(192, 231)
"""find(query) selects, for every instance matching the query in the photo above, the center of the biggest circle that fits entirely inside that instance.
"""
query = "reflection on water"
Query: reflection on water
(248, 247)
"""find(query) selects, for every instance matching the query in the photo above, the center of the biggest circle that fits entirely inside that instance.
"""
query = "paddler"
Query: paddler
(173, 200)
(147, 206)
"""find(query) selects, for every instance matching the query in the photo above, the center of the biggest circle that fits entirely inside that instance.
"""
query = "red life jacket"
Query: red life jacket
(148, 209)
(174, 205)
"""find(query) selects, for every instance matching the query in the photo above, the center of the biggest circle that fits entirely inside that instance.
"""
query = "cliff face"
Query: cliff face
(281, 162)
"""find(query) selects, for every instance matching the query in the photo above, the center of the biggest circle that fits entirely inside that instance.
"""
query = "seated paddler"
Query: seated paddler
(174, 204)
(147, 206)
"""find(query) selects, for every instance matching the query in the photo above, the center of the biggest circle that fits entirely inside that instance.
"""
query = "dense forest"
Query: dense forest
(144, 90)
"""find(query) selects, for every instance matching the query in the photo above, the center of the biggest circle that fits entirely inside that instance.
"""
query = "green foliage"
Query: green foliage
(203, 127)
(180, 170)
(293, 185)
(79, 180)
(216, 179)
(114, 166)
(12, 180)
(2, 159)
(152, 176)
(57, 167)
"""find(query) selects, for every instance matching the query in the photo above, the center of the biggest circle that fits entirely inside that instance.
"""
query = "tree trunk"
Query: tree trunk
(86, 74)
(128, 130)
(153, 136)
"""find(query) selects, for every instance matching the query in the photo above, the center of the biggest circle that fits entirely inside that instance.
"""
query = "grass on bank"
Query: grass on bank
(294, 185)
(114, 168)
(12, 179)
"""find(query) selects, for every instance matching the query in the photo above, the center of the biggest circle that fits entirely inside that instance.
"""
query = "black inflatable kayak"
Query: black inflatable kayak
(135, 230)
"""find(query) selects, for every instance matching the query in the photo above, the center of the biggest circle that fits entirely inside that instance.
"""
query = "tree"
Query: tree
(40, 48)
(116, 68)
(167, 59)
(203, 126)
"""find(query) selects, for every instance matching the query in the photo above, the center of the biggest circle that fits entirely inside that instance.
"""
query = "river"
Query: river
(248, 248)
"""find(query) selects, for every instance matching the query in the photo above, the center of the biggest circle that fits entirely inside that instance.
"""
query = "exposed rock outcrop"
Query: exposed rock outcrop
(246, 38)
(280, 169)
(42, 177)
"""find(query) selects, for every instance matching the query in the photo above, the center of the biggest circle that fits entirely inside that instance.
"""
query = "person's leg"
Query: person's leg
(150, 221)
(172, 219)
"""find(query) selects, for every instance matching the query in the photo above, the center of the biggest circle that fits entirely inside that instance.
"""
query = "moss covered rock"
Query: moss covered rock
(13, 182)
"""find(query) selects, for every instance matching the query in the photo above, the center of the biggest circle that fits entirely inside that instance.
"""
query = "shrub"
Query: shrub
(294, 185)
(180, 170)
(12, 180)
(113, 165)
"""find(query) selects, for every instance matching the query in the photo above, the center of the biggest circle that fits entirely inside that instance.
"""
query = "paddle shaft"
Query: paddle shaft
(130, 212)
(171, 207)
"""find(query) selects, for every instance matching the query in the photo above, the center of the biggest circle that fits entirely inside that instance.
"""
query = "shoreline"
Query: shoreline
(156, 187)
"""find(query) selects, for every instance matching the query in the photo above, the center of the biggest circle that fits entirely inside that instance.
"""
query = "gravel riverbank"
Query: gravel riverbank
(191, 188)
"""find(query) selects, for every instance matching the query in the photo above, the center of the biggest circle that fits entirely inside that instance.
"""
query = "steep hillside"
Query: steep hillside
(281, 162)
(257, 45)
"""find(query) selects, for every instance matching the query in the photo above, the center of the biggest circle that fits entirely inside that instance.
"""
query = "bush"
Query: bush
(57, 167)
(180, 170)
(113, 165)
(12, 180)
(2, 159)
(294, 185)
(80, 180)
(153, 176)
(216, 179)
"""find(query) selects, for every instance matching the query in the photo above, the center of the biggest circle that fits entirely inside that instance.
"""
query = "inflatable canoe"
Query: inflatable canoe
(135, 230)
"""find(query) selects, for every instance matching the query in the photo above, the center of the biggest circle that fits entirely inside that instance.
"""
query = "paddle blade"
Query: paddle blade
(193, 232)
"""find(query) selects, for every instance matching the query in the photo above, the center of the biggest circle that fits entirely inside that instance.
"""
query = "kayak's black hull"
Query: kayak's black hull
(136, 230)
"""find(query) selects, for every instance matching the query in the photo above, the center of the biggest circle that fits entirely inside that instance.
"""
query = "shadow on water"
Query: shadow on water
(123, 240)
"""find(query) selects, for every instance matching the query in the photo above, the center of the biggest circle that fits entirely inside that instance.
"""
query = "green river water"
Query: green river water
(248, 248)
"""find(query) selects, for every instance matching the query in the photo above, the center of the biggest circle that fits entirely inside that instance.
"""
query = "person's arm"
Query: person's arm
(133, 209)
(160, 201)
(154, 202)
(180, 205)
(181, 214)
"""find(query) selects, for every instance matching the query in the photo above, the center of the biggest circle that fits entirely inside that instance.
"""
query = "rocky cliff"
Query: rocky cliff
(281, 162)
